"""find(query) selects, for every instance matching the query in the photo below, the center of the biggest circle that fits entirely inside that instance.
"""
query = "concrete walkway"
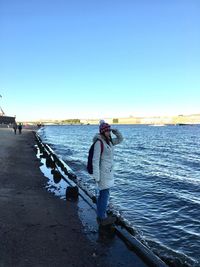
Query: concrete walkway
(37, 228)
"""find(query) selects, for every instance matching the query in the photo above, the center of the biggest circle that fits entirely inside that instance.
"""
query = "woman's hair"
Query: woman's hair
(107, 139)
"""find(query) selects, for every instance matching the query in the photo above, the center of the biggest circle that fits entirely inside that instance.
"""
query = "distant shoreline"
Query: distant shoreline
(154, 120)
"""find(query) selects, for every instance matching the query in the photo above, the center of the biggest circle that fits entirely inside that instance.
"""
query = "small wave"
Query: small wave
(191, 163)
(171, 257)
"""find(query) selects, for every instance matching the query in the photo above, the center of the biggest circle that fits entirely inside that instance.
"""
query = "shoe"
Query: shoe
(108, 220)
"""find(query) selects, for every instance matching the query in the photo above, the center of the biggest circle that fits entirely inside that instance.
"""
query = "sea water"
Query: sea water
(157, 181)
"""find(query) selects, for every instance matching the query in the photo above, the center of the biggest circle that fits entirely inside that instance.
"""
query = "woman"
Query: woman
(103, 168)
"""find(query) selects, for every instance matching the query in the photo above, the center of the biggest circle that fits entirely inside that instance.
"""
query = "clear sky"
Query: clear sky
(96, 59)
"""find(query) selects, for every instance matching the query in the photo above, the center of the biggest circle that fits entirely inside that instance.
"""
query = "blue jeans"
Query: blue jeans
(102, 203)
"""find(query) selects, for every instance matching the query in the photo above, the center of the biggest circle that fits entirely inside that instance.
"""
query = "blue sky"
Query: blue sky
(96, 59)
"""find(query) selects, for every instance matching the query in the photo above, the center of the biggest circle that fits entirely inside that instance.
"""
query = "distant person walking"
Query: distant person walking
(15, 128)
(20, 128)
(103, 168)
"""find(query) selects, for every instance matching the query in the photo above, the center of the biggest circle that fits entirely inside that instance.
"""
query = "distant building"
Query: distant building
(7, 120)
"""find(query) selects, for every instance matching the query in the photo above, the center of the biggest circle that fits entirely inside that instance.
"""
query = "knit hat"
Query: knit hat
(103, 127)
